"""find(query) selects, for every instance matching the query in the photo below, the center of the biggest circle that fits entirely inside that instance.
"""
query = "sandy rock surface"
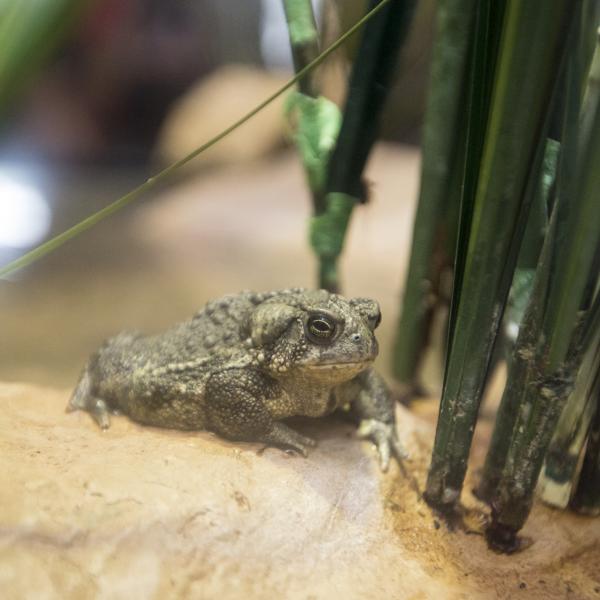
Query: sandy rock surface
(138, 512)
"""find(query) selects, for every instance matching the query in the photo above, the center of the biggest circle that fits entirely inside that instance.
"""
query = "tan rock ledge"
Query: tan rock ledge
(137, 512)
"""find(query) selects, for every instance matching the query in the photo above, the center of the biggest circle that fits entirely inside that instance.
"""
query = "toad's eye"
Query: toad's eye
(320, 328)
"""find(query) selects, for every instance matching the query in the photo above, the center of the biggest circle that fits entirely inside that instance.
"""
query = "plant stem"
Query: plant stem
(317, 119)
(587, 496)
(369, 84)
(565, 124)
(484, 53)
(517, 372)
(304, 40)
(568, 261)
(370, 81)
(531, 47)
(571, 433)
(447, 83)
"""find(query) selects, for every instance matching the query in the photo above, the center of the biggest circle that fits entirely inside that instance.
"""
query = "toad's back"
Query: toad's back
(160, 379)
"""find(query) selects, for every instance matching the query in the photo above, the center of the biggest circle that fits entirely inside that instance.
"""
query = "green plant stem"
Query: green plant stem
(571, 434)
(370, 81)
(447, 82)
(568, 259)
(535, 231)
(484, 52)
(591, 96)
(316, 124)
(586, 499)
(128, 198)
(564, 123)
(531, 47)
(369, 84)
(304, 40)
(327, 232)
(316, 119)
(517, 372)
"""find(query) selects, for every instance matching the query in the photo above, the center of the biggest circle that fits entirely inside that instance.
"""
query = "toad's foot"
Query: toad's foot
(283, 436)
(97, 408)
(83, 399)
(385, 438)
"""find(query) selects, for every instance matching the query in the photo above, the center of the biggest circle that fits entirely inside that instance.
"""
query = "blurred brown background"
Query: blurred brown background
(134, 84)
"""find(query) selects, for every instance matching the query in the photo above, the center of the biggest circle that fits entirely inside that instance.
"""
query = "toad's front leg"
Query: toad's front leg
(236, 407)
(372, 402)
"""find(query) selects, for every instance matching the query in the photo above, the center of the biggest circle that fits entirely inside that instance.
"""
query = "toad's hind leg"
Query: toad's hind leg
(82, 399)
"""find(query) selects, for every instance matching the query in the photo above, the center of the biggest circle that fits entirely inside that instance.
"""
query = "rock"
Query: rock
(137, 512)
(142, 512)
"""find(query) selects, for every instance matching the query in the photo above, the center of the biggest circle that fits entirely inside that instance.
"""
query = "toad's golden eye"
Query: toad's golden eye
(320, 328)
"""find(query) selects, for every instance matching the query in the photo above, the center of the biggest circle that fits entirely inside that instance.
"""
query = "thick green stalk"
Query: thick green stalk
(531, 47)
(369, 84)
(586, 499)
(565, 449)
(304, 40)
(564, 124)
(571, 434)
(591, 97)
(484, 54)
(441, 134)
(316, 119)
(557, 352)
(370, 80)
(517, 372)
(533, 238)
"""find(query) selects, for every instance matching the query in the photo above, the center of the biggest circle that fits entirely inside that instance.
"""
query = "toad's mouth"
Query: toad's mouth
(340, 365)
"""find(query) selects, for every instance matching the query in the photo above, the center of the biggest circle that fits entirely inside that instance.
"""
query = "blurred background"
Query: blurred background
(97, 95)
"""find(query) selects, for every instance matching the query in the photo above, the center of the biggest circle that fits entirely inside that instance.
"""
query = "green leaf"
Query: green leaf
(317, 124)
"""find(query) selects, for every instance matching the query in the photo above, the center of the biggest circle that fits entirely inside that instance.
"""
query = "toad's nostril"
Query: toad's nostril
(355, 337)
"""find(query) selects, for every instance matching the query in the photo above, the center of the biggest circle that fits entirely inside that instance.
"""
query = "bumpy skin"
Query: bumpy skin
(244, 363)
